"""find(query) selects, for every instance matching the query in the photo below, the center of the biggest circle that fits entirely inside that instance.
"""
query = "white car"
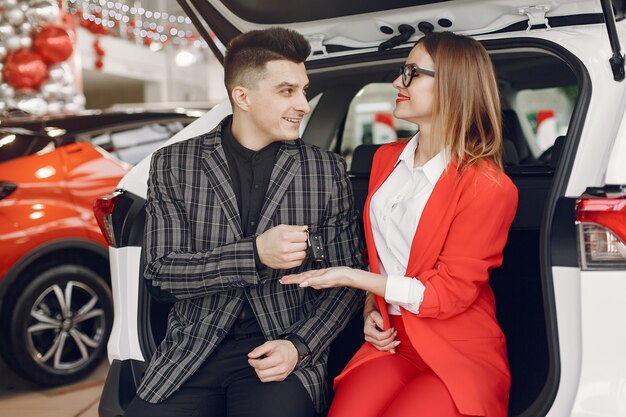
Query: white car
(562, 288)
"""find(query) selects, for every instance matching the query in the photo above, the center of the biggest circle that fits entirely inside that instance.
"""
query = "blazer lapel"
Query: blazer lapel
(430, 233)
(286, 167)
(376, 180)
(216, 168)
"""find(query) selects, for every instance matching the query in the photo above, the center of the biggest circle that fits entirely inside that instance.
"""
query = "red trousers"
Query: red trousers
(398, 385)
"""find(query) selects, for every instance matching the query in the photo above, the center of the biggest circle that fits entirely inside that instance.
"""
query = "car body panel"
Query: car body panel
(602, 390)
(351, 31)
(616, 169)
(54, 198)
(567, 283)
(125, 287)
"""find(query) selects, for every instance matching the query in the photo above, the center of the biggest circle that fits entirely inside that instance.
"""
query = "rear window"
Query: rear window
(16, 144)
(370, 119)
(545, 115)
(132, 144)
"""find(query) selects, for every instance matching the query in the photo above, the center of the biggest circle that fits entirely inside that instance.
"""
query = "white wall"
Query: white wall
(134, 73)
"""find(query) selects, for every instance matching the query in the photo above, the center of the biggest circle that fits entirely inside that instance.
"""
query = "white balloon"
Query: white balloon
(13, 42)
(25, 28)
(7, 4)
(71, 107)
(79, 100)
(14, 16)
(31, 104)
(6, 91)
(43, 11)
(6, 30)
(3, 106)
(50, 89)
(68, 92)
(26, 42)
(3, 52)
(55, 107)
(61, 73)
(56, 73)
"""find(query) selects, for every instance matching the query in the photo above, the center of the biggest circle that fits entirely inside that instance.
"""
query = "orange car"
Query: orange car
(56, 307)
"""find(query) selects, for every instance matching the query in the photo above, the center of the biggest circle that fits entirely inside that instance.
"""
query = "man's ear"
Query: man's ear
(240, 98)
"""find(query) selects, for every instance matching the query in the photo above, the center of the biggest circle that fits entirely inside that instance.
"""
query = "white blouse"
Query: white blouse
(395, 211)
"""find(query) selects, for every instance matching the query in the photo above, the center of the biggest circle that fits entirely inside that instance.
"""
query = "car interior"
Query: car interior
(518, 285)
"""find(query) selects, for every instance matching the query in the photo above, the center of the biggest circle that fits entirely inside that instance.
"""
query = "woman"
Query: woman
(436, 222)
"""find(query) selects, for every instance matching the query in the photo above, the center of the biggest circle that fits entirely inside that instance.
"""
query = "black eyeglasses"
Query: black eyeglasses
(408, 71)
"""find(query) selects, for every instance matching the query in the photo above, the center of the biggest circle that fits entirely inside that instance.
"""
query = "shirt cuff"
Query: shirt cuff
(405, 292)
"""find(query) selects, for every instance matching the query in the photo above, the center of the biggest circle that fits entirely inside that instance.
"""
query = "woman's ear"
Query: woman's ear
(240, 98)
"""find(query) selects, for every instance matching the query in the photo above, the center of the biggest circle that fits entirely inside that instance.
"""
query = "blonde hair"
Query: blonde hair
(466, 109)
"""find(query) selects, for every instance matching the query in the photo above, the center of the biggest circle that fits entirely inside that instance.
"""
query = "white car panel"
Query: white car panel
(362, 31)
(123, 342)
(602, 390)
(616, 170)
(566, 283)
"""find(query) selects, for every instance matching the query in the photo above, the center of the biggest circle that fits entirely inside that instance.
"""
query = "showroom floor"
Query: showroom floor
(21, 398)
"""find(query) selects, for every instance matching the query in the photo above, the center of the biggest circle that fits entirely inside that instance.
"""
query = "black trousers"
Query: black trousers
(227, 386)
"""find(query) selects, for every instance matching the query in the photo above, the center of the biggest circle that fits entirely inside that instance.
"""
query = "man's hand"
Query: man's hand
(283, 246)
(274, 360)
(381, 340)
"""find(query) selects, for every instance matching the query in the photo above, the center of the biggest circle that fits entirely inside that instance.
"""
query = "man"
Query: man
(228, 214)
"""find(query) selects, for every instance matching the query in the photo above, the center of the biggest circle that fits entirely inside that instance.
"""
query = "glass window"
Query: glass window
(133, 144)
(15, 144)
(305, 120)
(544, 114)
(370, 119)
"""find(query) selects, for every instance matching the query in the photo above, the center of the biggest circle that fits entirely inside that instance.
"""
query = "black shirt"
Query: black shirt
(250, 173)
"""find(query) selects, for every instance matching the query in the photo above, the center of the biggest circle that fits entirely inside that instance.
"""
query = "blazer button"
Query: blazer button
(220, 332)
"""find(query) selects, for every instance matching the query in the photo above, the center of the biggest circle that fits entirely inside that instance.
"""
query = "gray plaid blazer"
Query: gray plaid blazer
(195, 251)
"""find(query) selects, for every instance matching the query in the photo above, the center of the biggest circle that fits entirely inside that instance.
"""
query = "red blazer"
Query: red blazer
(459, 239)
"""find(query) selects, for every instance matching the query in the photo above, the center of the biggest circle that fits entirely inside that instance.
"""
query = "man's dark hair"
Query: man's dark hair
(247, 54)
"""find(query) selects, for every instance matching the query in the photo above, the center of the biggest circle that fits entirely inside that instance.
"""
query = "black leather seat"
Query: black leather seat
(359, 173)
(512, 131)
(509, 153)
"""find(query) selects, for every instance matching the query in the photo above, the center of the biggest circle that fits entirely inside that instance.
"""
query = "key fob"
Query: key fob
(316, 246)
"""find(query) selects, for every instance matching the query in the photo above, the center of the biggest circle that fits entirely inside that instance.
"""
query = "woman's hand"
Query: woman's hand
(339, 276)
(381, 340)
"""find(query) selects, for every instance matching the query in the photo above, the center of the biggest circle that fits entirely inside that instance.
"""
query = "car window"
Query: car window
(370, 119)
(16, 145)
(544, 114)
(305, 120)
(134, 144)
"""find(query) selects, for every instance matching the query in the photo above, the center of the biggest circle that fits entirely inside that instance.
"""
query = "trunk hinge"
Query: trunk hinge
(536, 16)
(317, 44)
(617, 60)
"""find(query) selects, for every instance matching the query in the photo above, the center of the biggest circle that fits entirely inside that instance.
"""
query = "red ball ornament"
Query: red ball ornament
(53, 44)
(25, 69)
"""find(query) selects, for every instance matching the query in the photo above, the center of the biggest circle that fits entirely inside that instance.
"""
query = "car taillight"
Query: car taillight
(6, 188)
(103, 209)
(601, 222)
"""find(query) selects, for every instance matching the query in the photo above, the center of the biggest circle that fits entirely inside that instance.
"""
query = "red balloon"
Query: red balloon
(53, 44)
(25, 69)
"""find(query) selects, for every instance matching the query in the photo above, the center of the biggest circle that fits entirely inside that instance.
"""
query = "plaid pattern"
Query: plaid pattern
(195, 251)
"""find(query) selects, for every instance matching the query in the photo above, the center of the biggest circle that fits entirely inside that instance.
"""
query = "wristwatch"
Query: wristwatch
(304, 354)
